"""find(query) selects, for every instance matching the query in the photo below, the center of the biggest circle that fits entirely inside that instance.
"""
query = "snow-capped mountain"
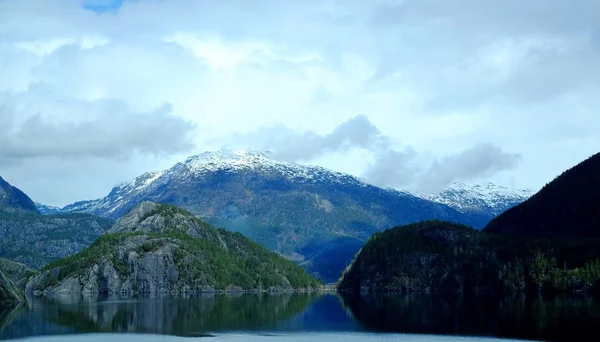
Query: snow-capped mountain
(48, 209)
(299, 211)
(302, 212)
(483, 198)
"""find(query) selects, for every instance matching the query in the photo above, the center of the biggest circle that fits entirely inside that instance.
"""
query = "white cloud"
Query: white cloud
(439, 76)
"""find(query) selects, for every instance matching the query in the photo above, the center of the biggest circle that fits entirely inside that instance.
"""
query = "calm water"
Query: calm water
(307, 317)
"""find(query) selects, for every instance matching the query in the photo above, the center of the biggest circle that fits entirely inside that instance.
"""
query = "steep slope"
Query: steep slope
(9, 293)
(488, 199)
(567, 207)
(15, 271)
(158, 248)
(435, 256)
(13, 200)
(295, 210)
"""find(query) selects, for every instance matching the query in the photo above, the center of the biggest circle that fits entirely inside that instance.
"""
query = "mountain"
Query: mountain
(13, 200)
(157, 248)
(443, 257)
(567, 207)
(304, 213)
(77, 207)
(488, 199)
(49, 209)
(34, 240)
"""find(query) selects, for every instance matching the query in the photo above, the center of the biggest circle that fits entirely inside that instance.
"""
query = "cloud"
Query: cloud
(479, 161)
(76, 129)
(288, 144)
(392, 165)
(441, 77)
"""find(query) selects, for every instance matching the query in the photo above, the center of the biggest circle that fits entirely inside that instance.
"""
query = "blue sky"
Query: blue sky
(102, 6)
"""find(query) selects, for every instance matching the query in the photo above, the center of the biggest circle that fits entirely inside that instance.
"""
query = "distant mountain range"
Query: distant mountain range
(302, 212)
(33, 239)
(486, 199)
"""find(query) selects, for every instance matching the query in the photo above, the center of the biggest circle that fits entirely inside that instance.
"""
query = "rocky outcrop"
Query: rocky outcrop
(9, 293)
(158, 249)
(18, 272)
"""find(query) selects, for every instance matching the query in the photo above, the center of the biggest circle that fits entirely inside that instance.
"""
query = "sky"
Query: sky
(409, 94)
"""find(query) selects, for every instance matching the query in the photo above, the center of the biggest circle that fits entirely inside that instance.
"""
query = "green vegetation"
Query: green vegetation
(76, 264)
(217, 258)
(435, 256)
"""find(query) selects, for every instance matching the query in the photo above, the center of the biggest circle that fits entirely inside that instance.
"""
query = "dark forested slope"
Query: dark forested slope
(567, 207)
(436, 256)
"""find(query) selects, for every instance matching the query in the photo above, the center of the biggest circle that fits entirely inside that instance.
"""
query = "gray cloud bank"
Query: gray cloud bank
(104, 129)
(392, 166)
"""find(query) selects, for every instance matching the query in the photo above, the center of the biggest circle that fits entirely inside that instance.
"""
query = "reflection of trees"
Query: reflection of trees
(178, 316)
(518, 316)
(7, 315)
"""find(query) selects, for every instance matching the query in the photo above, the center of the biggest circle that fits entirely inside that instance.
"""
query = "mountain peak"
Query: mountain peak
(150, 217)
(227, 157)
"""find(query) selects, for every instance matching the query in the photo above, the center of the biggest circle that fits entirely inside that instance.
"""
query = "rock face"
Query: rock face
(35, 240)
(13, 200)
(17, 272)
(9, 293)
(159, 248)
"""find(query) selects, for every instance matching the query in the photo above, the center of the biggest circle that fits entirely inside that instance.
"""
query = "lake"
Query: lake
(305, 317)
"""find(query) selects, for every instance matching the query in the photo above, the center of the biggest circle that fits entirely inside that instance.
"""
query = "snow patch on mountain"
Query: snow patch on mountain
(480, 197)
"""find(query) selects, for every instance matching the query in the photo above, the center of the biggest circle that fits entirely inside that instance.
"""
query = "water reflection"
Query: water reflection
(517, 316)
(557, 318)
(173, 316)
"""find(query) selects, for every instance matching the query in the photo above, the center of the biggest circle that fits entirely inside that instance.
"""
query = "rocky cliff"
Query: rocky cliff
(159, 248)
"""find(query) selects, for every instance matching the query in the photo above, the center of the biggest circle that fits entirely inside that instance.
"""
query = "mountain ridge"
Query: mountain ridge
(485, 197)
(13, 200)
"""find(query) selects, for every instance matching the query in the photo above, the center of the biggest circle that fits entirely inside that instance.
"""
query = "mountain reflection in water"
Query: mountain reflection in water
(556, 318)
